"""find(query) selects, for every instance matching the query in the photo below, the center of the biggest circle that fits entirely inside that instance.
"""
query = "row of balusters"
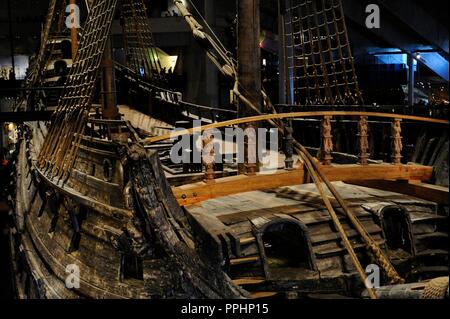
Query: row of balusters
(326, 149)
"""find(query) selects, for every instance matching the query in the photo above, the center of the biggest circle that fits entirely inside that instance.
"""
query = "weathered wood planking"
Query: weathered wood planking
(331, 258)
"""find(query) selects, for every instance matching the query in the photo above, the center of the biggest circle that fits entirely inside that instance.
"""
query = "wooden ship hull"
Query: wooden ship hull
(128, 241)
(132, 239)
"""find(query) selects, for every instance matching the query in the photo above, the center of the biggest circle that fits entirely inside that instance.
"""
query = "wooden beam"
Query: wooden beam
(198, 192)
(245, 260)
(433, 193)
(345, 173)
(249, 281)
(263, 294)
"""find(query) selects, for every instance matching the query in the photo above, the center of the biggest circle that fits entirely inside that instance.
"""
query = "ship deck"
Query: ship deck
(239, 224)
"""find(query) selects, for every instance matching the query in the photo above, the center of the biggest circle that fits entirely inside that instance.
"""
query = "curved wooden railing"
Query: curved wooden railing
(326, 131)
(292, 115)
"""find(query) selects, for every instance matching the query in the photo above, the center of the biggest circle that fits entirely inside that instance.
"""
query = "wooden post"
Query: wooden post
(74, 30)
(208, 156)
(363, 141)
(397, 146)
(327, 140)
(249, 65)
(411, 80)
(251, 150)
(288, 142)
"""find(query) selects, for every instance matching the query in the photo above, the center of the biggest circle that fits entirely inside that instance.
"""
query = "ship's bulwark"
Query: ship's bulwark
(134, 244)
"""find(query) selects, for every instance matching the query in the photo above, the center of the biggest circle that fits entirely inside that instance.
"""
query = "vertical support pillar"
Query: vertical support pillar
(249, 67)
(288, 50)
(397, 145)
(411, 80)
(363, 140)
(327, 140)
(288, 142)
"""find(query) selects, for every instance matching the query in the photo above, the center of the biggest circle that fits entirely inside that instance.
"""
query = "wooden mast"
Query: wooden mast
(73, 30)
(249, 54)
(110, 110)
(249, 64)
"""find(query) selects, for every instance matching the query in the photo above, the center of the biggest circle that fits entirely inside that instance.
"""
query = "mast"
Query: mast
(249, 74)
(249, 54)
(110, 110)
(73, 30)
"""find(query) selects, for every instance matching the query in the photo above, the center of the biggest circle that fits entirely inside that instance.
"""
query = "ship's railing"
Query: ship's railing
(197, 111)
(326, 118)
(200, 112)
(438, 111)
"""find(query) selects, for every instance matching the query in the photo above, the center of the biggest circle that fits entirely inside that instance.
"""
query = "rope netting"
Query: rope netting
(141, 54)
(61, 144)
(319, 59)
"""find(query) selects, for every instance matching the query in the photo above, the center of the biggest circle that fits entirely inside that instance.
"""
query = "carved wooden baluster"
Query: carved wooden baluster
(250, 150)
(327, 140)
(363, 134)
(208, 156)
(397, 146)
(288, 142)
(289, 146)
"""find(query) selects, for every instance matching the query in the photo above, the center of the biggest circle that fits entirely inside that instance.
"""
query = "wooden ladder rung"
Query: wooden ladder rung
(246, 241)
(263, 294)
(246, 260)
(249, 281)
